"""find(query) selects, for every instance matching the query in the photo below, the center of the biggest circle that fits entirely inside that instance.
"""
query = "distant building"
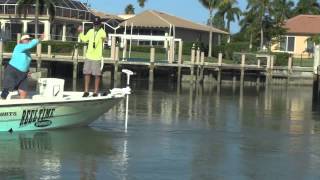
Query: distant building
(159, 23)
(126, 16)
(296, 41)
(69, 14)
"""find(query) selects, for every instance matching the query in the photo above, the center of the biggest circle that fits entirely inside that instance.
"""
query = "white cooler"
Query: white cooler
(51, 87)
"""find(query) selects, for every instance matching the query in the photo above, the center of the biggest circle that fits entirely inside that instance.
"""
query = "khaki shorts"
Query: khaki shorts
(91, 67)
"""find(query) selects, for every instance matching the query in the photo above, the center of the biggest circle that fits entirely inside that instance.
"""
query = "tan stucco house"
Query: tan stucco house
(296, 41)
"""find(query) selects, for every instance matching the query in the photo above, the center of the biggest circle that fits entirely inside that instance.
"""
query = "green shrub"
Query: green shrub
(56, 46)
(9, 46)
(281, 59)
(187, 46)
(146, 49)
(229, 49)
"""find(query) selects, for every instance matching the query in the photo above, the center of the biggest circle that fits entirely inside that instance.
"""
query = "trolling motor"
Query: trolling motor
(123, 91)
(128, 73)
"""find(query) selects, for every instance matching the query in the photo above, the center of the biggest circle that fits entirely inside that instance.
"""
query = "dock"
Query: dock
(193, 70)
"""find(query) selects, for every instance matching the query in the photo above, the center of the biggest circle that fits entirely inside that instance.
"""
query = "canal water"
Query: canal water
(186, 132)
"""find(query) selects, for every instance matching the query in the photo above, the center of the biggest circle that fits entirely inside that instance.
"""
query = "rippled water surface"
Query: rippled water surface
(190, 132)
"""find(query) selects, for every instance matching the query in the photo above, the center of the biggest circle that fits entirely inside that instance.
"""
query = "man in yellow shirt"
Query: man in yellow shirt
(95, 38)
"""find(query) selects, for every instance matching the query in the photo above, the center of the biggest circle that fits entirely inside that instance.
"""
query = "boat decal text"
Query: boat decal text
(8, 114)
(38, 116)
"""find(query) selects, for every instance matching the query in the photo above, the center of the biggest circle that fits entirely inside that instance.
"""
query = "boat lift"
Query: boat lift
(169, 44)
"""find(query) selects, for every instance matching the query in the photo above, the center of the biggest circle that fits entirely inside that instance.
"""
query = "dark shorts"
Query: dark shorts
(15, 79)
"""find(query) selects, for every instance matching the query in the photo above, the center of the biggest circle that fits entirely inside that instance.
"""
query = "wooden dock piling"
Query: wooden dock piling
(116, 65)
(75, 63)
(243, 62)
(198, 64)
(180, 62)
(49, 51)
(219, 69)
(39, 52)
(193, 53)
(1, 61)
(151, 67)
(258, 72)
(202, 66)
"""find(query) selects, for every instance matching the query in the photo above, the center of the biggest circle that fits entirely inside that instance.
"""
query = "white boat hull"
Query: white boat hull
(25, 115)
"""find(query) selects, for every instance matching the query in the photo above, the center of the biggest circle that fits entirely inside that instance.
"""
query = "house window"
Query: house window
(310, 46)
(283, 44)
(287, 44)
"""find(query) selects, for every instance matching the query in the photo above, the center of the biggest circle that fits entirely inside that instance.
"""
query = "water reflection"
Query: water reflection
(44, 155)
(278, 108)
(189, 131)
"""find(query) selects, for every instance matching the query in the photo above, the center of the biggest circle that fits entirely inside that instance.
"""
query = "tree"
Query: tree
(230, 11)
(218, 21)
(141, 3)
(211, 5)
(40, 7)
(249, 26)
(129, 9)
(282, 10)
(261, 10)
(307, 7)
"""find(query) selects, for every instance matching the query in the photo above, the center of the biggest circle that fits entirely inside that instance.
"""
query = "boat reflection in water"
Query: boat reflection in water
(52, 154)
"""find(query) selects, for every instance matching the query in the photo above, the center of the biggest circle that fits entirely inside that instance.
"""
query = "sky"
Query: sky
(187, 9)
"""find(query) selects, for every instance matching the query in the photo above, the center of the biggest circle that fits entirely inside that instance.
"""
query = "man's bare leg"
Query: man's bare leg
(97, 84)
(23, 94)
(87, 78)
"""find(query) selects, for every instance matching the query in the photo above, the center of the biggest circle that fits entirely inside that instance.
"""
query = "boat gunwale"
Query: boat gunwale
(30, 102)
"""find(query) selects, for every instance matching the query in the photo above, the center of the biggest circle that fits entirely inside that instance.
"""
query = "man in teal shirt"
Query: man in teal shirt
(16, 72)
(95, 38)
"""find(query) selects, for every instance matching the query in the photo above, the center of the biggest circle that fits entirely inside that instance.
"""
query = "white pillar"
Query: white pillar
(24, 26)
(47, 30)
(138, 39)
(3, 24)
(3, 29)
(64, 32)
(180, 60)
(316, 59)
(151, 40)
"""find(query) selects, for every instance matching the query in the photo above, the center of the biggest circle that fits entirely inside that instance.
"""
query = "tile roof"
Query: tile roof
(156, 19)
(303, 24)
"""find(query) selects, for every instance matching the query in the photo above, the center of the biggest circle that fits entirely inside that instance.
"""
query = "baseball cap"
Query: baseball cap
(25, 37)
(96, 21)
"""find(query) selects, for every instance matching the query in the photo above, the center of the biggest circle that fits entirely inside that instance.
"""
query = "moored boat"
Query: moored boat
(54, 108)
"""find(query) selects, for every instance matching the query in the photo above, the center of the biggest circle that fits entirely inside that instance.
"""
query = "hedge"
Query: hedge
(56, 46)
(281, 59)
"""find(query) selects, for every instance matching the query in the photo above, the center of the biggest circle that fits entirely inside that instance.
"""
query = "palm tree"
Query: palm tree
(249, 25)
(261, 10)
(307, 7)
(40, 7)
(141, 3)
(218, 20)
(211, 5)
(282, 10)
(129, 9)
(230, 11)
